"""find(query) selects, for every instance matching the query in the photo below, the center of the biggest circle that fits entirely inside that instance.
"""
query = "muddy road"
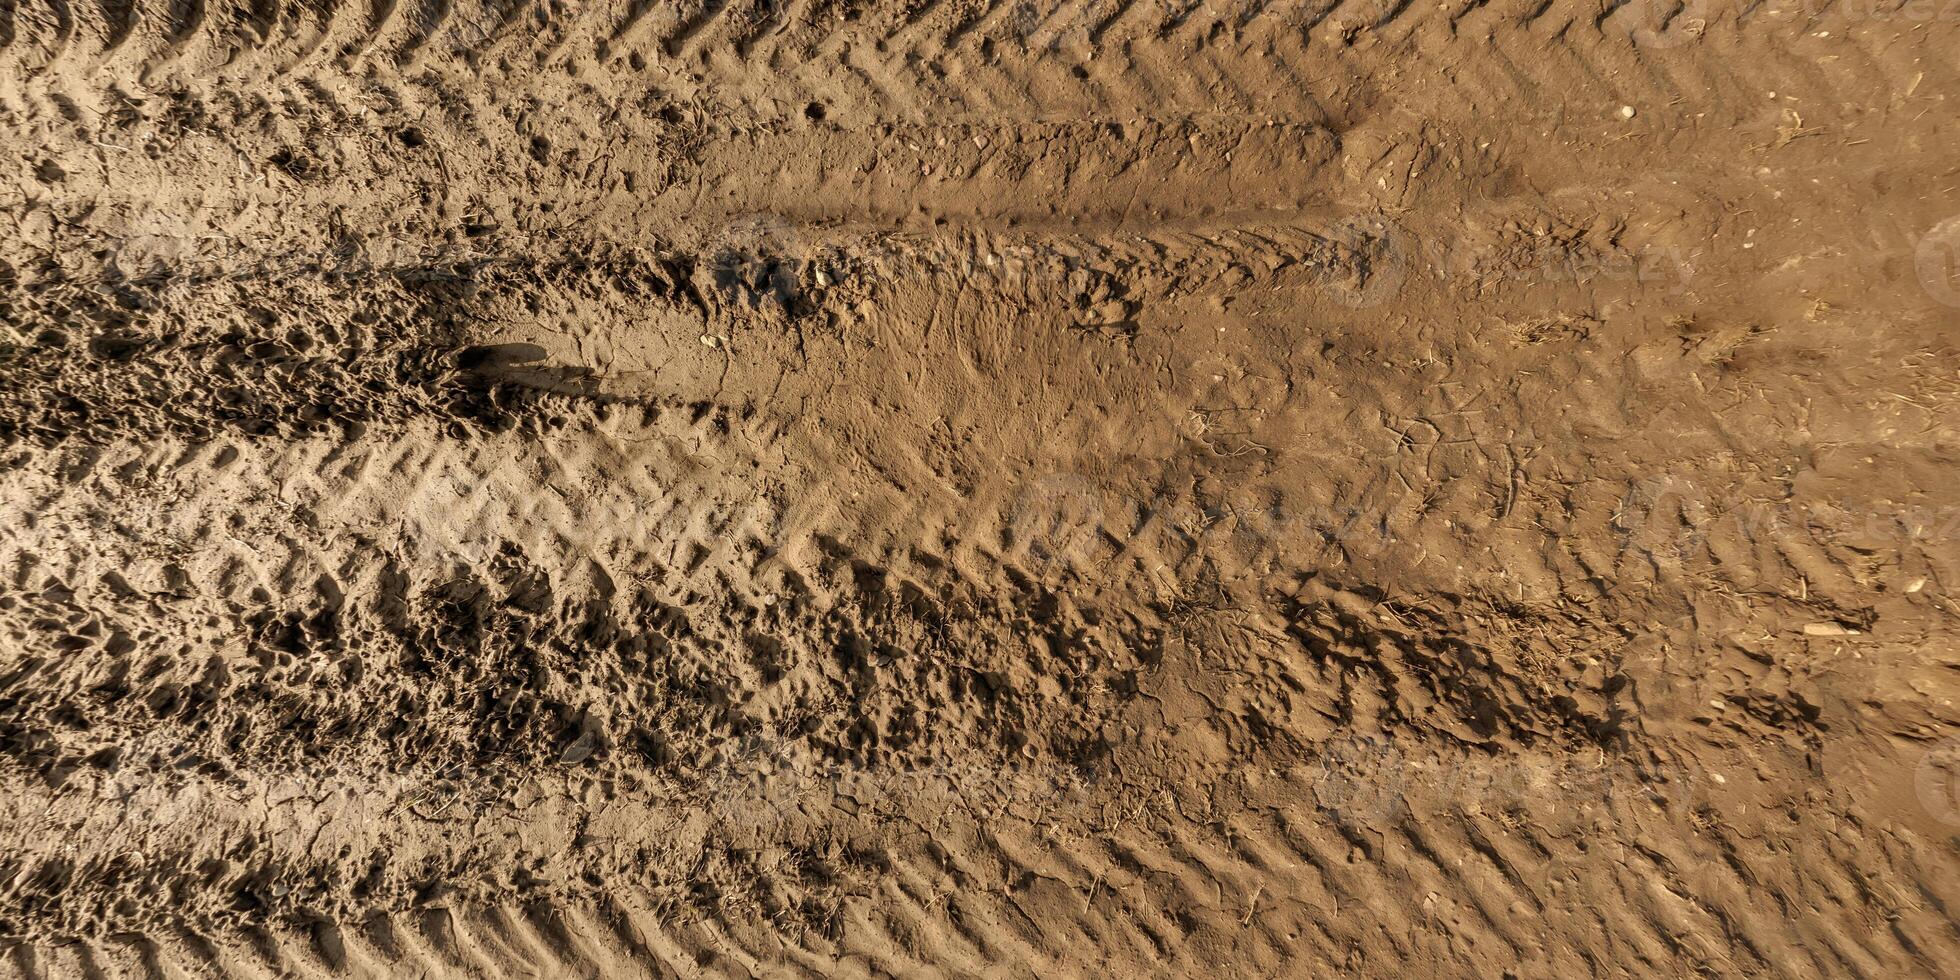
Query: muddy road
(944, 488)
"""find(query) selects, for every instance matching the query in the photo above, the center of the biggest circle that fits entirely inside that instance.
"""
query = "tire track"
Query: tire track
(898, 64)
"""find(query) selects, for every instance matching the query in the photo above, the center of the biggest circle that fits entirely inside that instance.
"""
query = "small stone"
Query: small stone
(1828, 629)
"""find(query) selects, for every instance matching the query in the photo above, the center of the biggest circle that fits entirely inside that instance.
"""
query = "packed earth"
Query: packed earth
(861, 488)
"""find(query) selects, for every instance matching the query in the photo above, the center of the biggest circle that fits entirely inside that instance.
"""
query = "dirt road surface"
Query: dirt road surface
(1227, 488)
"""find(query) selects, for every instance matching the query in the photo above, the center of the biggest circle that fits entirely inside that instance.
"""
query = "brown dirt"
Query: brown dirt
(931, 487)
